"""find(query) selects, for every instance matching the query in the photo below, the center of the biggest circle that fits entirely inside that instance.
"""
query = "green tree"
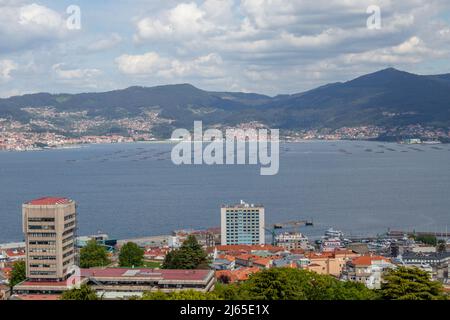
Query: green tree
(93, 255)
(410, 284)
(189, 256)
(441, 246)
(83, 293)
(180, 295)
(155, 295)
(131, 255)
(427, 239)
(229, 291)
(18, 273)
(294, 284)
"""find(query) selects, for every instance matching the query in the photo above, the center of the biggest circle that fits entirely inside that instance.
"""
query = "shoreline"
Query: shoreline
(169, 141)
(163, 239)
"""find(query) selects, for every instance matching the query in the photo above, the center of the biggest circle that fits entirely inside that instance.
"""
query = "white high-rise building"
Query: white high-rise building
(242, 223)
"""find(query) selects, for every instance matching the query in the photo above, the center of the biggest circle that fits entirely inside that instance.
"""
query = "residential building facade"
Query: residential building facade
(368, 270)
(49, 226)
(242, 223)
(292, 241)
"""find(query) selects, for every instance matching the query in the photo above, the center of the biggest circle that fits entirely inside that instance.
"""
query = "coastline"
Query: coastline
(170, 141)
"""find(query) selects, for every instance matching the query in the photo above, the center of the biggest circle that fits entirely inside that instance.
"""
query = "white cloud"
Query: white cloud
(268, 46)
(105, 44)
(207, 66)
(151, 64)
(74, 74)
(278, 26)
(140, 64)
(37, 16)
(412, 45)
(280, 46)
(412, 51)
(186, 20)
(28, 25)
(6, 67)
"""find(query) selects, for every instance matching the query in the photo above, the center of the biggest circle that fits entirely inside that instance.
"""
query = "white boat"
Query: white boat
(330, 245)
(331, 233)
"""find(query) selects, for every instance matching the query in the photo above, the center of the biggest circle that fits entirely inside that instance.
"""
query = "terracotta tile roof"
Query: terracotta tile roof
(263, 261)
(368, 260)
(226, 257)
(241, 274)
(322, 255)
(330, 254)
(246, 256)
(297, 251)
(226, 273)
(49, 201)
(244, 273)
(15, 253)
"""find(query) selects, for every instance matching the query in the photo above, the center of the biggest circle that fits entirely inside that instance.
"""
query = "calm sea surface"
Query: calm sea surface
(131, 190)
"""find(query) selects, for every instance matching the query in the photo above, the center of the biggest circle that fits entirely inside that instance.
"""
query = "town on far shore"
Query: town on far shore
(44, 131)
(242, 246)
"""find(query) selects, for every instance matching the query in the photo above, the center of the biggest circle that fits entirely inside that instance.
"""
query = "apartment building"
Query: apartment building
(329, 263)
(242, 223)
(292, 241)
(368, 270)
(49, 226)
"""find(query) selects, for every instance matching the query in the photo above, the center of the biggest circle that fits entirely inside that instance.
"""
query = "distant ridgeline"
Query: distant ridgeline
(388, 99)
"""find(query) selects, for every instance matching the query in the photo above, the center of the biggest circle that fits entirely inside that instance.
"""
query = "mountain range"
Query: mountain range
(387, 98)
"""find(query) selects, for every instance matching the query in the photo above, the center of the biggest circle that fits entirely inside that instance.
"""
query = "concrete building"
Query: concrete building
(114, 283)
(437, 264)
(242, 223)
(292, 241)
(368, 270)
(426, 258)
(329, 263)
(49, 225)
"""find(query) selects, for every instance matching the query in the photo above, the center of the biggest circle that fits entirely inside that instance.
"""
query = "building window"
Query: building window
(41, 219)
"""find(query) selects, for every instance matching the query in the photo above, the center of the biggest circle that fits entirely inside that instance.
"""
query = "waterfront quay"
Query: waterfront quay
(148, 241)
(241, 246)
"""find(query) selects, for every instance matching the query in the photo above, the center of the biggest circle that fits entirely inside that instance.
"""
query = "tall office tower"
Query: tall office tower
(242, 223)
(49, 225)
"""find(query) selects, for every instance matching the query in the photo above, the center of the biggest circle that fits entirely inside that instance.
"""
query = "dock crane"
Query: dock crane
(287, 225)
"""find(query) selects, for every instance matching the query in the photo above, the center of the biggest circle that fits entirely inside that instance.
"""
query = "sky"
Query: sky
(264, 46)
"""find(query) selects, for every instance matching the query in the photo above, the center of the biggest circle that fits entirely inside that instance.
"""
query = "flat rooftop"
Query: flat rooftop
(43, 284)
(181, 275)
(242, 204)
(49, 201)
(40, 297)
(126, 273)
